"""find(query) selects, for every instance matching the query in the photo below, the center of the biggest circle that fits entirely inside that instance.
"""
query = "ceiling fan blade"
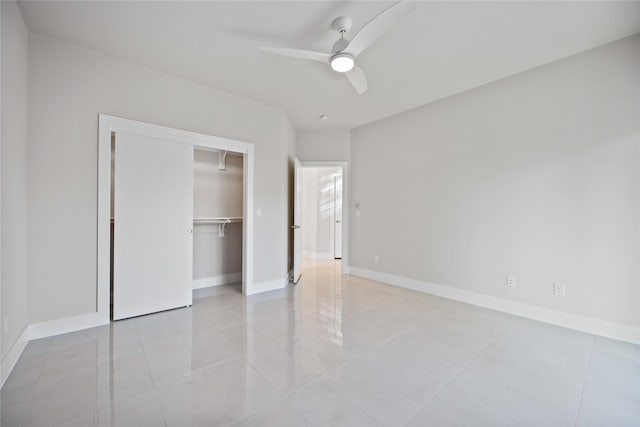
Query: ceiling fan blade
(358, 79)
(378, 26)
(299, 54)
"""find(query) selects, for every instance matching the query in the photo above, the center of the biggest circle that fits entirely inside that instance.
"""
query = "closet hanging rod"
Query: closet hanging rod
(225, 220)
(221, 220)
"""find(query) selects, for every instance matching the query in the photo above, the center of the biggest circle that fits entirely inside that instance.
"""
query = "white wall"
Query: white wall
(217, 194)
(14, 174)
(68, 87)
(318, 213)
(536, 176)
(330, 145)
(215, 256)
(309, 211)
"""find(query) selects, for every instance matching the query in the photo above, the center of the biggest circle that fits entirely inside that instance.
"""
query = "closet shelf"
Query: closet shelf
(222, 220)
(222, 223)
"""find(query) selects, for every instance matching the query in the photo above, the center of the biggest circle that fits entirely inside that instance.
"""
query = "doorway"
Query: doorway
(322, 212)
(321, 217)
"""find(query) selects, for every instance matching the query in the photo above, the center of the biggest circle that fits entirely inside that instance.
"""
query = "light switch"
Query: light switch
(259, 212)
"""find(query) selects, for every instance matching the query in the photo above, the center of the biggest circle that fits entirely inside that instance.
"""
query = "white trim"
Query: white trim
(269, 285)
(590, 325)
(14, 353)
(63, 326)
(108, 124)
(247, 223)
(223, 279)
(346, 203)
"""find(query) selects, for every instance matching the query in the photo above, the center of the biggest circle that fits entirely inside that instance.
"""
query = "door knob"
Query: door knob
(337, 221)
(295, 227)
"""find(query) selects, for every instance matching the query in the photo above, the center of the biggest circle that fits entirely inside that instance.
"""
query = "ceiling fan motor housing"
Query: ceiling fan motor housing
(342, 24)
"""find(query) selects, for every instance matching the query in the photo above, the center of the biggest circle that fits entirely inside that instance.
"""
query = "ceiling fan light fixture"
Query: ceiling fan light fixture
(342, 62)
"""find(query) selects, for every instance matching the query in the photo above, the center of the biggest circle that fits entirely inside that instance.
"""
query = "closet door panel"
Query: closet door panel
(153, 225)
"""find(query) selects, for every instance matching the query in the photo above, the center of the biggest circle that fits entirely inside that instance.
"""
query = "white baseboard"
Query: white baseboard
(269, 285)
(13, 354)
(68, 324)
(590, 325)
(223, 279)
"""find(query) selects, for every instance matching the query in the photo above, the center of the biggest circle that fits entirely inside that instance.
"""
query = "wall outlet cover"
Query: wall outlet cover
(559, 290)
(511, 281)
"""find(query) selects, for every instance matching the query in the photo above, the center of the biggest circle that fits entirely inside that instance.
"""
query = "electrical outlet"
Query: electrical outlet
(559, 290)
(511, 281)
(376, 259)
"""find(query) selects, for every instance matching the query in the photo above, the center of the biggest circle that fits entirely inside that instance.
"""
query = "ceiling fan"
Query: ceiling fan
(344, 52)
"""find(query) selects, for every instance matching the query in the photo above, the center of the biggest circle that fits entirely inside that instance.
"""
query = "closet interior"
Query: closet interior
(157, 244)
(217, 225)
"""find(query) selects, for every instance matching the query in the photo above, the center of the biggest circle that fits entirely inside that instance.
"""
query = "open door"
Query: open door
(337, 209)
(153, 226)
(297, 220)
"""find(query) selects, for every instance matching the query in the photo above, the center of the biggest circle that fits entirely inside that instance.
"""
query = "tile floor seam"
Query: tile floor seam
(95, 403)
(364, 409)
(35, 385)
(584, 381)
(455, 375)
(179, 334)
(284, 397)
(153, 383)
(294, 389)
(439, 340)
(267, 380)
(391, 338)
(340, 392)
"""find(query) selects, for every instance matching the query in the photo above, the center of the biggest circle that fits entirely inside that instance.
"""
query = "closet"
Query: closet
(176, 222)
(217, 227)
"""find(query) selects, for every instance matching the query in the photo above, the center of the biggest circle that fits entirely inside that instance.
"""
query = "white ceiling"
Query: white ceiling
(441, 49)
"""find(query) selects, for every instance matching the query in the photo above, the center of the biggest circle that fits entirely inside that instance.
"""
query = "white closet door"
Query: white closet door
(153, 229)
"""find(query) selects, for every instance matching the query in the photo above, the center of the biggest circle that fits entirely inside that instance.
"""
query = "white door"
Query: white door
(337, 209)
(297, 220)
(153, 228)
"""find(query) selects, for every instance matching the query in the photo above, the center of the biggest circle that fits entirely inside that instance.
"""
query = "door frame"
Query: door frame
(107, 125)
(344, 165)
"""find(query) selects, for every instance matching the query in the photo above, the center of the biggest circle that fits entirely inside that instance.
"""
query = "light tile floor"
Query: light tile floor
(333, 350)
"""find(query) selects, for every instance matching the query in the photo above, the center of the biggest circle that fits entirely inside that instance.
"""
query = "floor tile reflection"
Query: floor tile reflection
(334, 350)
